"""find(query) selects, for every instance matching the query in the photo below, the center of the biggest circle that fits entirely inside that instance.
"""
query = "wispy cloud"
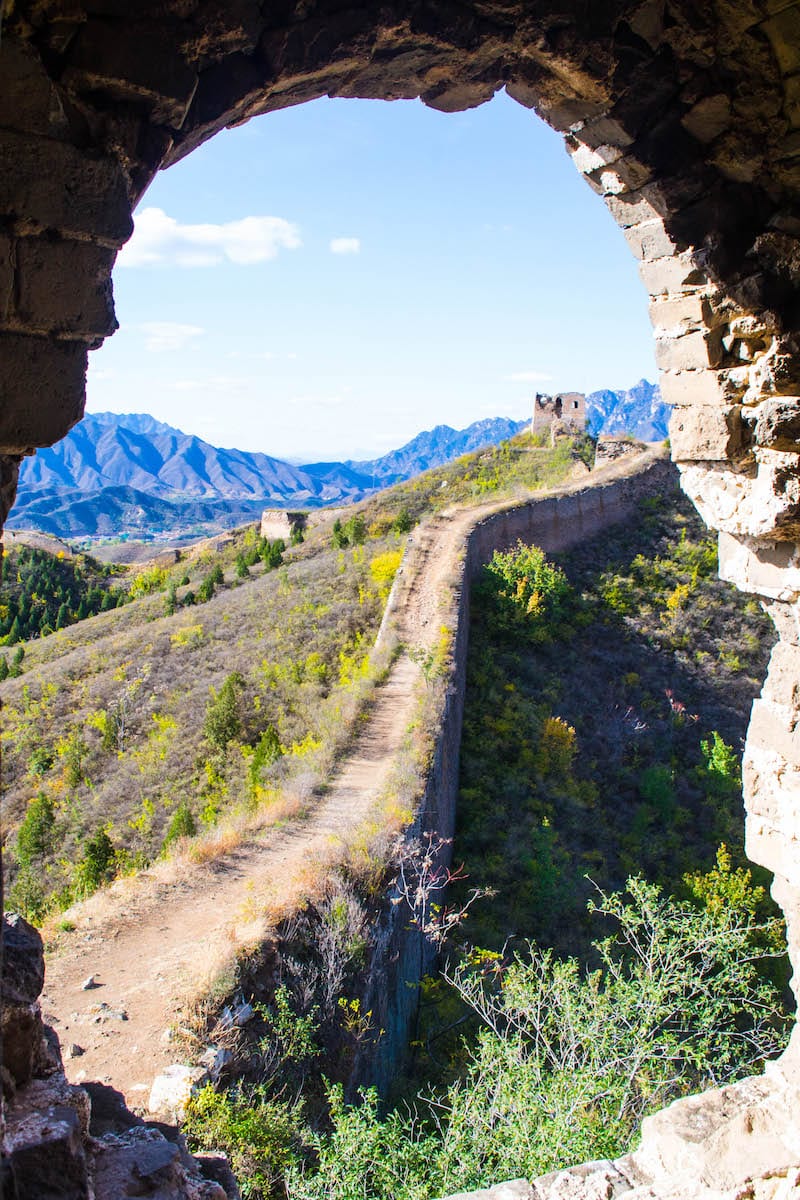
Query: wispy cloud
(528, 377)
(160, 240)
(345, 245)
(163, 336)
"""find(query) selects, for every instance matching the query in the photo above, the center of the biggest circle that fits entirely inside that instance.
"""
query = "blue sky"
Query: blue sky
(328, 280)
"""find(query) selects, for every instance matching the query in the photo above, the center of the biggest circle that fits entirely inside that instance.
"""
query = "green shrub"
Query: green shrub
(182, 825)
(223, 722)
(36, 833)
(530, 595)
(256, 1132)
(98, 864)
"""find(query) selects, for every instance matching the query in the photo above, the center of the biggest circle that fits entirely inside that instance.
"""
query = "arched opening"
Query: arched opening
(482, 268)
(684, 121)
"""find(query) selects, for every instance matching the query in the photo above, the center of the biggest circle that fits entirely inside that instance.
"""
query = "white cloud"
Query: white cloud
(528, 377)
(160, 240)
(168, 335)
(345, 245)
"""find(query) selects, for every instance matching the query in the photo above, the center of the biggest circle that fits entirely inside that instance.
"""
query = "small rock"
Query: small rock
(243, 1014)
(215, 1060)
(89, 983)
(73, 1050)
(104, 1012)
(173, 1087)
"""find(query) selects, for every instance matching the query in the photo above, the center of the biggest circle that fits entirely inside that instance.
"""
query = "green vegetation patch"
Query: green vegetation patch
(614, 688)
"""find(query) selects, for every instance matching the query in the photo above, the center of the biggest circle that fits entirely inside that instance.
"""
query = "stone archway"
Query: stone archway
(683, 114)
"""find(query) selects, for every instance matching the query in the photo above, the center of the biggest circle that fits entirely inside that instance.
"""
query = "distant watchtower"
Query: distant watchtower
(564, 413)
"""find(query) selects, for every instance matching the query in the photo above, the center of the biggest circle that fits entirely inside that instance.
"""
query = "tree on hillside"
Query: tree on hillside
(223, 720)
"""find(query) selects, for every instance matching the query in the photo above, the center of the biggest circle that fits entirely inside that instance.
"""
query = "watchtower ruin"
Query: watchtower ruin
(565, 411)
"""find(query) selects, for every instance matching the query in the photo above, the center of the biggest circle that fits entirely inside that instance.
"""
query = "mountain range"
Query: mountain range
(133, 475)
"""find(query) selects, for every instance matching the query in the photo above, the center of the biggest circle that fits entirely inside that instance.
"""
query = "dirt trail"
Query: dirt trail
(150, 940)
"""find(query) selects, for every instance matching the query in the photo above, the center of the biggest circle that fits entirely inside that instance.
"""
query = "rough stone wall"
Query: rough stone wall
(401, 955)
(684, 115)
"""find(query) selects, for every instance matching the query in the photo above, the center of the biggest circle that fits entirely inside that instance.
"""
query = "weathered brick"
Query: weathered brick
(771, 727)
(700, 387)
(688, 352)
(51, 185)
(649, 240)
(673, 275)
(710, 117)
(766, 568)
(134, 60)
(42, 384)
(783, 31)
(681, 312)
(29, 100)
(65, 287)
(588, 159)
(706, 433)
(625, 175)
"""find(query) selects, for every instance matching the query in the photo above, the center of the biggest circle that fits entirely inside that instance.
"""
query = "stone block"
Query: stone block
(604, 131)
(710, 117)
(22, 1033)
(706, 433)
(49, 185)
(777, 424)
(681, 314)
(47, 1156)
(23, 961)
(772, 728)
(29, 100)
(692, 351)
(587, 159)
(512, 1189)
(791, 101)
(134, 60)
(634, 208)
(785, 616)
(142, 1162)
(782, 685)
(700, 387)
(649, 240)
(783, 31)
(173, 1087)
(675, 275)
(766, 568)
(42, 390)
(625, 175)
(65, 287)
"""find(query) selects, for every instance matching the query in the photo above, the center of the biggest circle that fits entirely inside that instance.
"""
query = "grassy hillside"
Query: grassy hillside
(218, 681)
(136, 726)
(619, 715)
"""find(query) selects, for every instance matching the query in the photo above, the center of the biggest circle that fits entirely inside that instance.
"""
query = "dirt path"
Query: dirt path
(151, 940)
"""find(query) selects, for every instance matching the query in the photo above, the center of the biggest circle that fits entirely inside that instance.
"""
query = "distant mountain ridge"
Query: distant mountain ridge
(132, 474)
